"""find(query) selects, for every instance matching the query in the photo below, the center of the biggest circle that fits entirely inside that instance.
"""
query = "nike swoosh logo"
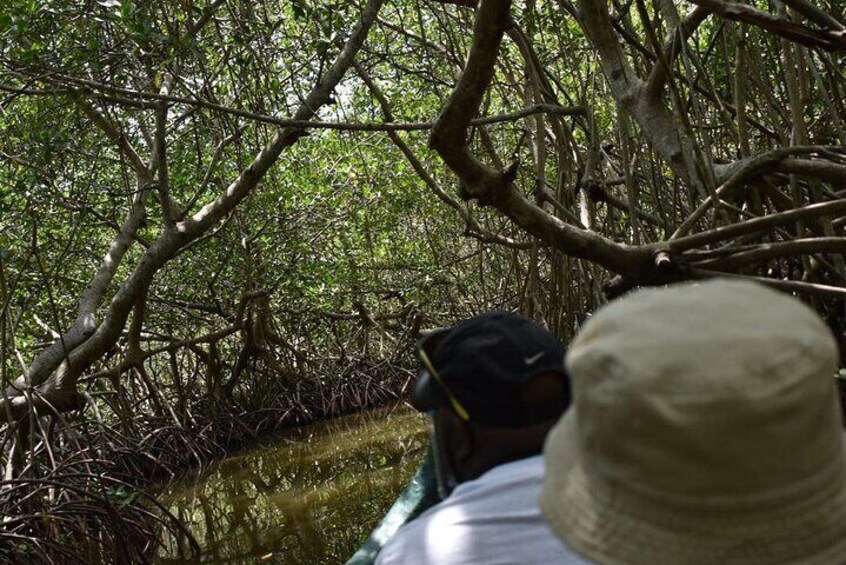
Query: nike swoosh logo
(533, 359)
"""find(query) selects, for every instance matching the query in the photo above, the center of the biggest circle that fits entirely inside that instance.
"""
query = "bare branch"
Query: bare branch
(756, 225)
(740, 171)
(826, 171)
(449, 139)
(655, 120)
(829, 40)
(767, 251)
(816, 15)
(141, 356)
(658, 77)
(320, 95)
(169, 207)
(150, 100)
(813, 289)
(462, 3)
(473, 228)
(118, 138)
(449, 136)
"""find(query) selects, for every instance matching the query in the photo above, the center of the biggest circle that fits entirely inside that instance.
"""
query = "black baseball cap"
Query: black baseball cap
(499, 369)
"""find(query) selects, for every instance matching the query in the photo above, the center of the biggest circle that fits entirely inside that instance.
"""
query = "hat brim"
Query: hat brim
(611, 526)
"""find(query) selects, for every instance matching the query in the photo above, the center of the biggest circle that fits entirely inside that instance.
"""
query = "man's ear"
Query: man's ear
(457, 442)
(464, 442)
(545, 387)
(548, 395)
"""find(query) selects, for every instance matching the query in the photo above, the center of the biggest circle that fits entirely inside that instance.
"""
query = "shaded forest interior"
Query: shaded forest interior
(221, 218)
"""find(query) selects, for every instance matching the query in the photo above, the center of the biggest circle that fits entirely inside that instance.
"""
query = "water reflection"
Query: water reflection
(308, 499)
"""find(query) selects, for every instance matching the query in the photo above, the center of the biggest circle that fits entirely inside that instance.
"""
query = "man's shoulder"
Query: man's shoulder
(521, 475)
(527, 467)
(501, 505)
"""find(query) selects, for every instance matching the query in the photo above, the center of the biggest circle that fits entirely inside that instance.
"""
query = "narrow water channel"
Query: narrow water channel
(308, 499)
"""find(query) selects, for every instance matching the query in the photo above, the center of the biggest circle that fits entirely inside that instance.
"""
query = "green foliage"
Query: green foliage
(344, 241)
(306, 299)
(122, 495)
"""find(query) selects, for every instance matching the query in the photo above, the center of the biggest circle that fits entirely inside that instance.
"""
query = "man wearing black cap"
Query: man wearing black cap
(493, 385)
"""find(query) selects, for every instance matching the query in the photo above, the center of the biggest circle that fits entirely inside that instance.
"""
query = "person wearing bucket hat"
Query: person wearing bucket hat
(493, 385)
(705, 429)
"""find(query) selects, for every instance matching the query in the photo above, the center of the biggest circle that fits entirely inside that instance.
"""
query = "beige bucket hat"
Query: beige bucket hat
(705, 429)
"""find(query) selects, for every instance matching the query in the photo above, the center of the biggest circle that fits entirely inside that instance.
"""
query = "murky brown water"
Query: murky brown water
(307, 500)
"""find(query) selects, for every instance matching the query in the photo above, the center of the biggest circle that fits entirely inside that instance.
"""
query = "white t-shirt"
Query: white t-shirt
(492, 520)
